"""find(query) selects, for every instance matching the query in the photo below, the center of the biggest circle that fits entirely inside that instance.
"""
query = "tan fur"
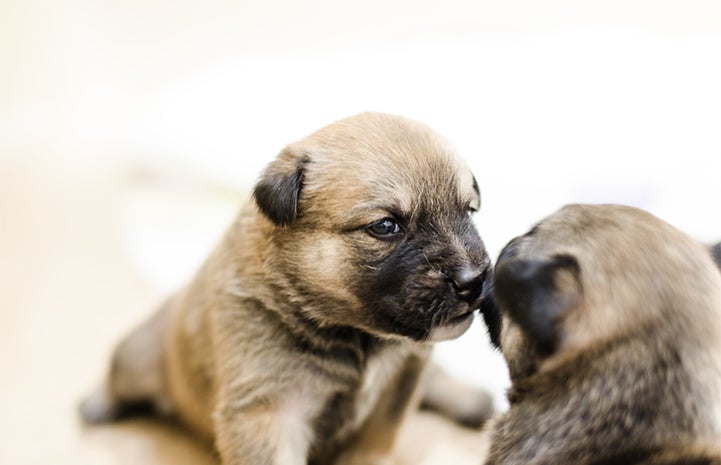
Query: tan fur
(634, 373)
(273, 351)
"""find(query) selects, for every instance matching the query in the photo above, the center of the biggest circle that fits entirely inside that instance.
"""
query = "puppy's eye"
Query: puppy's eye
(384, 229)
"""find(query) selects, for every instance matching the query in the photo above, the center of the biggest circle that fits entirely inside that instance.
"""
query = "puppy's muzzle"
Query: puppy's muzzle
(468, 282)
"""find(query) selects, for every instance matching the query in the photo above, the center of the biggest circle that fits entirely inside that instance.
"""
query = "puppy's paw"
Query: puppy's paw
(463, 403)
(98, 408)
(473, 408)
(466, 405)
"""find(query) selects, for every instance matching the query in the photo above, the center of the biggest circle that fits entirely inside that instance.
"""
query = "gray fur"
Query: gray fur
(635, 376)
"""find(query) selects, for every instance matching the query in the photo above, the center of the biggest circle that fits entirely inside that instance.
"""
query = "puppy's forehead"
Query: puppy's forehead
(574, 229)
(616, 223)
(616, 235)
(376, 159)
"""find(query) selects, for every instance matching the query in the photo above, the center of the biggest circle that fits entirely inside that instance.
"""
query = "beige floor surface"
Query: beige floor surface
(68, 293)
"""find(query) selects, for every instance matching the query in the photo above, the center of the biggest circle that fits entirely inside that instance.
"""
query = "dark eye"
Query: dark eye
(384, 229)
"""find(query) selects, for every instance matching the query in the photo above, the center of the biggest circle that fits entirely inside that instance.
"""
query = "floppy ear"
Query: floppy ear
(535, 293)
(278, 190)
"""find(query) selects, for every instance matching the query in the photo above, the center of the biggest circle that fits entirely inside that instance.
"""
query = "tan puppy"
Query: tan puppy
(611, 326)
(302, 337)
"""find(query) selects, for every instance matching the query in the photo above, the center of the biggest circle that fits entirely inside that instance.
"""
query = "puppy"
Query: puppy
(610, 321)
(302, 337)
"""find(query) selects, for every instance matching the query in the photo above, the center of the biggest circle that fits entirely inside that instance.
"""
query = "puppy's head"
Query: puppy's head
(588, 275)
(368, 224)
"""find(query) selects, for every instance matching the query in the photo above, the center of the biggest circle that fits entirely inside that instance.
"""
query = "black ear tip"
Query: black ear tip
(534, 296)
(518, 271)
(276, 200)
(566, 261)
(277, 192)
(514, 276)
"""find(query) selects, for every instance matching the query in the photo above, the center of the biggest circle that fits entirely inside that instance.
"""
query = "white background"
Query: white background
(549, 101)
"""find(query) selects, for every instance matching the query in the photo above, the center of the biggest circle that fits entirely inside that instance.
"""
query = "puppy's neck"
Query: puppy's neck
(348, 345)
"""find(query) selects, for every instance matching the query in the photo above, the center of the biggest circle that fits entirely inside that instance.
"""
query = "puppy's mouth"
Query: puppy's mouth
(441, 323)
(461, 318)
(452, 327)
(457, 322)
(452, 324)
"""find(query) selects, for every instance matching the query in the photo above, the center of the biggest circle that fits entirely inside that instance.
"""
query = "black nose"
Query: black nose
(468, 282)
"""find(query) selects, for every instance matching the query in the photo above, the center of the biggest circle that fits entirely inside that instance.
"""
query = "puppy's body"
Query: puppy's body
(302, 337)
(611, 326)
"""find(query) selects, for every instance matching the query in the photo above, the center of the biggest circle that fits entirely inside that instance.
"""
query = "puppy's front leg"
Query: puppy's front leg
(267, 396)
(374, 443)
(262, 436)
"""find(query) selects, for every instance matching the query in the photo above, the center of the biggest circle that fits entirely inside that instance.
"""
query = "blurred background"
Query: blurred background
(131, 131)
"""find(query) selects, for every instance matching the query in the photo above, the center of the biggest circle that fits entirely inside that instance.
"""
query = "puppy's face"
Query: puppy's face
(589, 274)
(370, 226)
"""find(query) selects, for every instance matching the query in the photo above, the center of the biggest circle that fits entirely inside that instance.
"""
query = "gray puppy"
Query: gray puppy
(610, 320)
(302, 338)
